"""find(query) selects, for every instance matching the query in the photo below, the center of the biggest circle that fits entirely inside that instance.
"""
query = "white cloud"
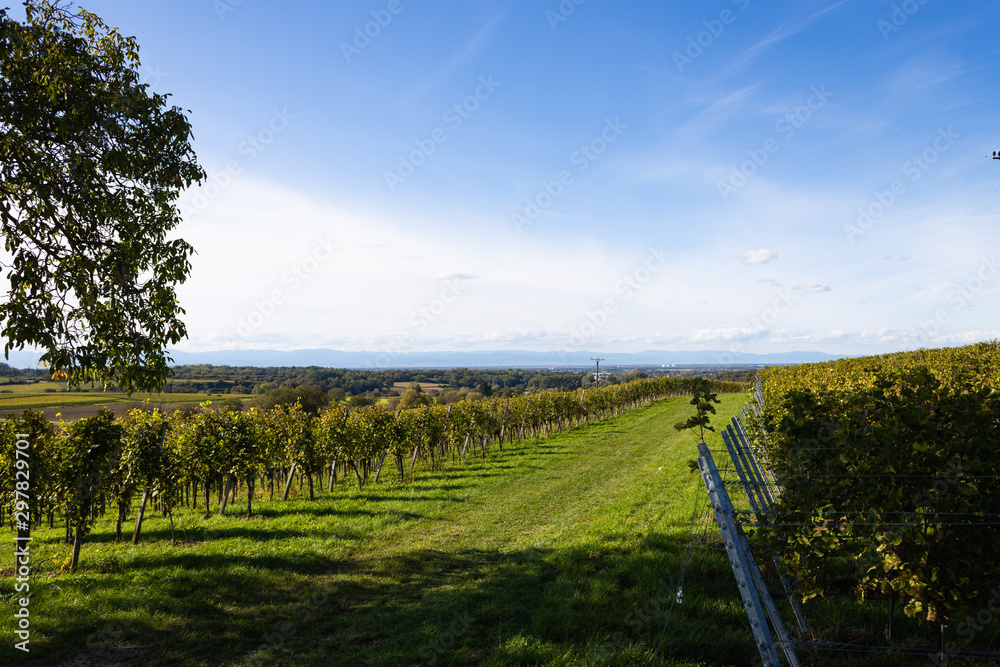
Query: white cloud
(725, 335)
(812, 287)
(761, 256)
(456, 275)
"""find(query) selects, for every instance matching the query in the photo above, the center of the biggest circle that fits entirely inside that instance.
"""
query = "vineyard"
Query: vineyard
(888, 469)
(78, 471)
(560, 549)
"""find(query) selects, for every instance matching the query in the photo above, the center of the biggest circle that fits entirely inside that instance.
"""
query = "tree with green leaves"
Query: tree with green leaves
(702, 401)
(91, 165)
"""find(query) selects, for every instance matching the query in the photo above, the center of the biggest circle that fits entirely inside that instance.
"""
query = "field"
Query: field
(53, 399)
(424, 386)
(559, 551)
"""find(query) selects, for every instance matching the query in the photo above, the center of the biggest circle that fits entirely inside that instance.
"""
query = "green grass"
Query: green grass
(563, 551)
(32, 387)
(25, 400)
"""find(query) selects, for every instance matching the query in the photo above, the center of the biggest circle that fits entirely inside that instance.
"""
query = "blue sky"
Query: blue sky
(736, 175)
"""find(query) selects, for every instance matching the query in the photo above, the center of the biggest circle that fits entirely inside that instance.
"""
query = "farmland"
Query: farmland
(53, 399)
(557, 551)
(547, 528)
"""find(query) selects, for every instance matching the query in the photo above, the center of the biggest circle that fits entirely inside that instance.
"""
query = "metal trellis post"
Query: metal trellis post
(745, 569)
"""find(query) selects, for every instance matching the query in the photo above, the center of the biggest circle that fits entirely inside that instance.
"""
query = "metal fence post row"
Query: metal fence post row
(745, 568)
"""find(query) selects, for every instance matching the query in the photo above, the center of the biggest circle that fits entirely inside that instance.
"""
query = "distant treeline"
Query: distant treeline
(255, 380)
(341, 382)
(12, 375)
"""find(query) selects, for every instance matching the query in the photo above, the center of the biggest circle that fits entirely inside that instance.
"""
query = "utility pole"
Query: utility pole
(598, 369)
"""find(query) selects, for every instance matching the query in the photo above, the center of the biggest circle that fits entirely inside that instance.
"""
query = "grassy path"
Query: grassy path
(563, 551)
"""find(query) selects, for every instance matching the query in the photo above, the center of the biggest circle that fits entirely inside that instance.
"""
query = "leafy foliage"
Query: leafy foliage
(89, 450)
(102, 458)
(887, 467)
(91, 164)
(702, 402)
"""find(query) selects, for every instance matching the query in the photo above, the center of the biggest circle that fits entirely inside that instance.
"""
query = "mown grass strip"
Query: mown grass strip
(560, 551)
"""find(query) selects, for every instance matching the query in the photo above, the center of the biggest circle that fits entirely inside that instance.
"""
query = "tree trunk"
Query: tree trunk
(309, 475)
(288, 483)
(333, 477)
(77, 543)
(356, 472)
(413, 460)
(225, 494)
(503, 425)
(121, 519)
(250, 485)
(138, 517)
(888, 627)
(378, 470)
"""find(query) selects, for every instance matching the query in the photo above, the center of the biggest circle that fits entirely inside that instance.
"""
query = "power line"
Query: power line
(598, 369)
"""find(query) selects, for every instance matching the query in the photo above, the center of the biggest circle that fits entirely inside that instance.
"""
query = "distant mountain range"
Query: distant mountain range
(491, 359)
(496, 358)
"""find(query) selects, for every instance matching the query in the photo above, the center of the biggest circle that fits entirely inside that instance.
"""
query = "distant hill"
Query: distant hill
(469, 359)
(495, 359)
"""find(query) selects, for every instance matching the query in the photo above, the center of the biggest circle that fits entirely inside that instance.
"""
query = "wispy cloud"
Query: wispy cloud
(456, 275)
(812, 287)
(762, 256)
(780, 34)
(716, 113)
(460, 57)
